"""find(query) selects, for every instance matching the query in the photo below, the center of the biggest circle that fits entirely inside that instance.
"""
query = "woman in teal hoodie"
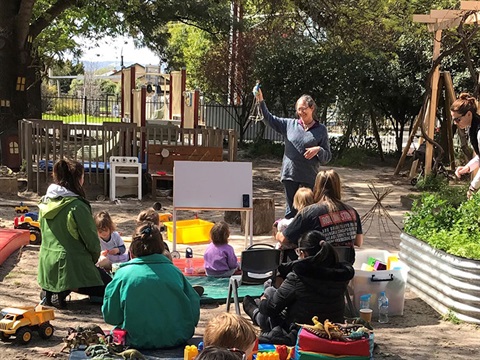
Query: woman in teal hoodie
(70, 246)
(149, 297)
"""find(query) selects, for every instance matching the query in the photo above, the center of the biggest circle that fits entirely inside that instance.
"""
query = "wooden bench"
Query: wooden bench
(160, 160)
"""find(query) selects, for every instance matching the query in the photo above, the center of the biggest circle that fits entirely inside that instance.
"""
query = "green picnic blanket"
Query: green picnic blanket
(216, 289)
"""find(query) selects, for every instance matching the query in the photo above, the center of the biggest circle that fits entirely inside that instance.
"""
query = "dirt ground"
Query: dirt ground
(419, 334)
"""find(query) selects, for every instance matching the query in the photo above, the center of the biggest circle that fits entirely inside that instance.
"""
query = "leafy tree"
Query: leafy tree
(33, 31)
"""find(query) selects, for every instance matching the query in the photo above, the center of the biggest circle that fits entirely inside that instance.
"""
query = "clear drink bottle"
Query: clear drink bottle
(188, 260)
(383, 308)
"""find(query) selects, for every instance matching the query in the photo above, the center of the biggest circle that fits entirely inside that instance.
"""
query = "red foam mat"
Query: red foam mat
(11, 240)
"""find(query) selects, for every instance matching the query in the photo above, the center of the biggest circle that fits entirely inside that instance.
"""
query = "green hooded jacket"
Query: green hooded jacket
(152, 300)
(70, 246)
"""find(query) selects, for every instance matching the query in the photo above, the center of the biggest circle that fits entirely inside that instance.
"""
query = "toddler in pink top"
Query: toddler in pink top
(220, 259)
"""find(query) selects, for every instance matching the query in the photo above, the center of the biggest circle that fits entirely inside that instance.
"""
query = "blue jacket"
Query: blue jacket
(151, 299)
(294, 165)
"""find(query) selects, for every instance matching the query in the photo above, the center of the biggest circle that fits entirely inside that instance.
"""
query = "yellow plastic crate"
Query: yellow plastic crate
(190, 231)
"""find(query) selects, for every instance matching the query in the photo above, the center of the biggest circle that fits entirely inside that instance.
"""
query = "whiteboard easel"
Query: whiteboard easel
(212, 185)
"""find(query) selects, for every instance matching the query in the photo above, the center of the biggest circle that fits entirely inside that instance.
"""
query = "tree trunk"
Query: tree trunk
(376, 133)
(13, 66)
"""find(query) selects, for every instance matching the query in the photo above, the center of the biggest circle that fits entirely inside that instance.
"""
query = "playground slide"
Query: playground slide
(95, 153)
(11, 240)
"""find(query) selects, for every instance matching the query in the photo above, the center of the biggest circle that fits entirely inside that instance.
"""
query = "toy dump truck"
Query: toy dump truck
(21, 209)
(21, 322)
(29, 221)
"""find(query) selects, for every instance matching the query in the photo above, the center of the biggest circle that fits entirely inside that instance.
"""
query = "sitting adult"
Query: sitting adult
(149, 297)
(315, 286)
(70, 246)
(338, 222)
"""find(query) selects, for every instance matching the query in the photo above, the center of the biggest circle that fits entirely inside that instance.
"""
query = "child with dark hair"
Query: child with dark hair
(149, 297)
(220, 259)
(70, 246)
(219, 353)
(315, 286)
(111, 243)
(151, 215)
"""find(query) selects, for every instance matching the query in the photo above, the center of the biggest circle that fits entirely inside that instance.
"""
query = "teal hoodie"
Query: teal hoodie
(151, 299)
(70, 246)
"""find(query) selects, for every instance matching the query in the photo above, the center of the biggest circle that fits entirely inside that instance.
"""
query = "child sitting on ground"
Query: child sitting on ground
(220, 259)
(303, 198)
(151, 215)
(113, 249)
(230, 331)
(149, 297)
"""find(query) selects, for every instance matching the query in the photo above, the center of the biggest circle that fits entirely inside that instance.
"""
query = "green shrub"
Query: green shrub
(447, 222)
(264, 147)
(65, 108)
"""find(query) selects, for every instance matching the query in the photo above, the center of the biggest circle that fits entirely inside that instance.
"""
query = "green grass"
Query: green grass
(80, 118)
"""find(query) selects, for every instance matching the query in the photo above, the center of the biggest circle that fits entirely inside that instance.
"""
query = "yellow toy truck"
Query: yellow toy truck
(21, 209)
(21, 322)
(30, 222)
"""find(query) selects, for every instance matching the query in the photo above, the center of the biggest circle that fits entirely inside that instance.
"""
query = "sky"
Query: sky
(110, 49)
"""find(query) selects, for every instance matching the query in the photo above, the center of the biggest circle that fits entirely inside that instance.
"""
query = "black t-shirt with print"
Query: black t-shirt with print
(340, 227)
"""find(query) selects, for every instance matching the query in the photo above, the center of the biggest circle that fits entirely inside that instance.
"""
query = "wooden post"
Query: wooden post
(432, 110)
(449, 99)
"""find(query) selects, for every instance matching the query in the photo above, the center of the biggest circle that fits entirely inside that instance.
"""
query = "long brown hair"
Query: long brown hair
(328, 189)
(68, 173)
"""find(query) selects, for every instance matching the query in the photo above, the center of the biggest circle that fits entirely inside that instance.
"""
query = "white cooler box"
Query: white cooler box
(373, 282)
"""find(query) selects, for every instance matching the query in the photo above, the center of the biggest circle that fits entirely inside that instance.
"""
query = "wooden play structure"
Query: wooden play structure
(44, 141)
(177, 105)
(437, 21)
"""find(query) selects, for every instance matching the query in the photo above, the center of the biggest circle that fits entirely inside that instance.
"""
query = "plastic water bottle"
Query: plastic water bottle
(383, 308)
(188, 260)
(365, 301)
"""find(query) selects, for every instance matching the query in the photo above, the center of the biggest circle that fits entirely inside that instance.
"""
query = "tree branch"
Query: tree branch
(22, 23)
(51, 14)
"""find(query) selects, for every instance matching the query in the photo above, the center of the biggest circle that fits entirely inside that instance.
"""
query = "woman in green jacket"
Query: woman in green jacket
(70, 246)
(149, 297)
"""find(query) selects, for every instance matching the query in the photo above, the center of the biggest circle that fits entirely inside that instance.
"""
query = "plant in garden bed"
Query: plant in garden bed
(447, 221)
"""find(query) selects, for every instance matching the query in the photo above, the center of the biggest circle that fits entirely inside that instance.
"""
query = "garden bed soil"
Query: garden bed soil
(419, 334)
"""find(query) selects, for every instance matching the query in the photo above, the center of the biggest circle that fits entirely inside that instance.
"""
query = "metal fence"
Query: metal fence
(107, 108)
(82, 110)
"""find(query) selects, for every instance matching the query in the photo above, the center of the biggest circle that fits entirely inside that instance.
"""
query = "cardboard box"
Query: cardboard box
(190, 231)
(393, 282)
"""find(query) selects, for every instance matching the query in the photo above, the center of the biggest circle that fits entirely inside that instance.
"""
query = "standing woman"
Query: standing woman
(306, 147)
(70, 246)
(464, 115)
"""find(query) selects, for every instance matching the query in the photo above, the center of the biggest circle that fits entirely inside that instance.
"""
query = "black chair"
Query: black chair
(259, 262)
(346, 254)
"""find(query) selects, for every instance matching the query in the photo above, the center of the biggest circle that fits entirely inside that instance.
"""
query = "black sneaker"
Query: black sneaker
(249, 306)
(59, 300)
(46, 297)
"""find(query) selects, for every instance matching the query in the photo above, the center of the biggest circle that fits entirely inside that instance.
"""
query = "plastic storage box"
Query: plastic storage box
(190, 231)
(393, 282)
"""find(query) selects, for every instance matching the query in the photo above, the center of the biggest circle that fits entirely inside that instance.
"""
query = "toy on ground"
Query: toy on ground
(21, 209)
(29, 221)
(86, 336)
(342, 332)
(21, 322)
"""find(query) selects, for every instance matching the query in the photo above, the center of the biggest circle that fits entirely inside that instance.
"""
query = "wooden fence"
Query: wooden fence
(42, 142)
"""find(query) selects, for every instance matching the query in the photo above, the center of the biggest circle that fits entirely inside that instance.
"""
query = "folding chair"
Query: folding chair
(345, 254)
(259, 262)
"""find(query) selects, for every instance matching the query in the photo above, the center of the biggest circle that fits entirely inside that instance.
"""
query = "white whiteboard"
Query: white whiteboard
(211, 184)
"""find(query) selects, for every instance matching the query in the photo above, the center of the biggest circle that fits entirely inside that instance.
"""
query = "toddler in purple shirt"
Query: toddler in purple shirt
(220, 259)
